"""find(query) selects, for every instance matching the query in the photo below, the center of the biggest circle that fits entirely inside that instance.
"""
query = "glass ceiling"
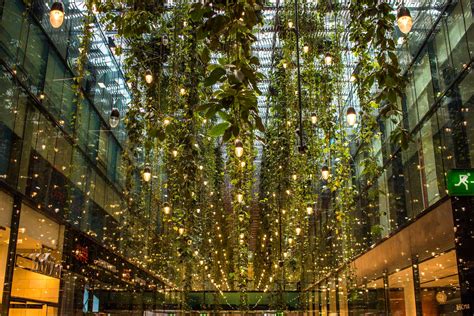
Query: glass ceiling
(109, 66)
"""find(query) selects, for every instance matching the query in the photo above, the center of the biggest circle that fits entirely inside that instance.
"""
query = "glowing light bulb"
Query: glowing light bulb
(298, 231)
(166, 209)
(325, 172)
(290, 24)
(56, 14)
(305, 48)
(404, 20)
(114, 118)
(148, 76)
(239, 148)
(240, 197)
(147, 173)
(309, 209)
(314, 119)
(328, 59)
(351, 116)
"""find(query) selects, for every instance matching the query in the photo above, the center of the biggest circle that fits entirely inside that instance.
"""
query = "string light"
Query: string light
(314, 118)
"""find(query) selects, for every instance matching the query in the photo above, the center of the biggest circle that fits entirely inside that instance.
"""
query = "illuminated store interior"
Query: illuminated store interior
(238, 157)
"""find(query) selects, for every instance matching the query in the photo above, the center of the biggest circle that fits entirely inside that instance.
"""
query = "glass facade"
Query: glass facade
(437, 111)
(62, 241)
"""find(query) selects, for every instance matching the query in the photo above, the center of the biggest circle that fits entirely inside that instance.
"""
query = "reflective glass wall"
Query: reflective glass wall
(437, 110)
(64, 247)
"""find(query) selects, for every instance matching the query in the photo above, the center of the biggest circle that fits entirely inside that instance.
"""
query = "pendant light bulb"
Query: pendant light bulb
(325, 172)
(404, 20)
(165, 40)
(56, 14)
(148, 76)
(309, 209)
(314, 119)
(351, 116)
(239, 148)
(305, 48)
(147, 173)
(290, 24)
(240, 197)
(328, 59)
(114, 118)
(298, 231)
(166, 209)
(181, 230)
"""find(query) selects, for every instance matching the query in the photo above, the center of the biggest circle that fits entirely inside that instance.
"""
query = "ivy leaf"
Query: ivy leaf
(219, 129)
(214, 76)
(227, 135)
(259, 124)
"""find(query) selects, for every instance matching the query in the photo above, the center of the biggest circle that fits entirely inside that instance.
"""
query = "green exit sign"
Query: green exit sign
(460, 182)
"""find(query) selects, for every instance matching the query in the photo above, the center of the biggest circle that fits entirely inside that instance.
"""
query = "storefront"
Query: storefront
(414, 272)
(37, 272)
(6, 204)
(98, 281)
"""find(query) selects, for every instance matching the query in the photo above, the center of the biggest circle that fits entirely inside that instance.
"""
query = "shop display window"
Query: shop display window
(402, 293)
(6, 204)
(38, 268)
(439, 283)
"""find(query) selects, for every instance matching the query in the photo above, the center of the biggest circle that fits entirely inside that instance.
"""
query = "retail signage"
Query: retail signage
(462, 307)
(81, 253)
(460, 182)
(105, 265)
(140, 281)
(127, 274)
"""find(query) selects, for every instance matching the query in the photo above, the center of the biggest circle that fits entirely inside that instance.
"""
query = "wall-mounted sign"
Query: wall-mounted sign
(81, 253)
(105, 265)
(462, 307)
(140, 281)
(460, 182)
(126, 274)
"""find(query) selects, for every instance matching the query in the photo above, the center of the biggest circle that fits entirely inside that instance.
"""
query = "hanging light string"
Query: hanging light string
(300, 105)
